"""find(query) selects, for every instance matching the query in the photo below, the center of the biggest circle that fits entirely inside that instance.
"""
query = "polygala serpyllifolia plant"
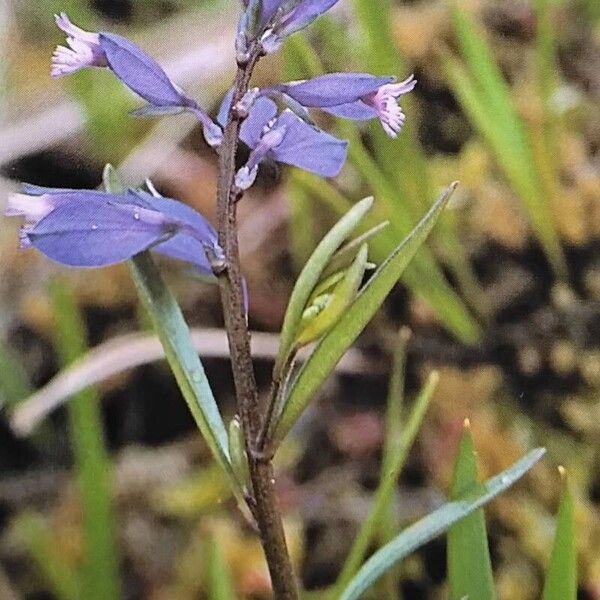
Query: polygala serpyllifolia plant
(330, 303)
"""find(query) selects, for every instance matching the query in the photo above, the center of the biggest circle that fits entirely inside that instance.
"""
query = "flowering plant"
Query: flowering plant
(331, 303)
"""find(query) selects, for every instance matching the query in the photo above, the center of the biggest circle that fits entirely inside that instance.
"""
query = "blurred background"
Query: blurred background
(504, 302)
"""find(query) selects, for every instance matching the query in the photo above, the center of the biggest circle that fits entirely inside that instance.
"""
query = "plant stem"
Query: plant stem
(232, 297)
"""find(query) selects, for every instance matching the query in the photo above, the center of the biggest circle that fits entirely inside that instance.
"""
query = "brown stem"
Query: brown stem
(232, 297)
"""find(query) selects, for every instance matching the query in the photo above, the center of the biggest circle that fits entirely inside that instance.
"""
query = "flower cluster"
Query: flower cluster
(87, 228)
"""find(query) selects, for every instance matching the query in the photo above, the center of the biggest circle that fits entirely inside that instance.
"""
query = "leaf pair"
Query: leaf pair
(354, 319)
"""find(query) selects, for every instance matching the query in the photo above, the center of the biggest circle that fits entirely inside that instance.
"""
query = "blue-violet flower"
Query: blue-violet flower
(278, 19)
(85, 228)
(356, 96)
(286, 139)
(133, 67)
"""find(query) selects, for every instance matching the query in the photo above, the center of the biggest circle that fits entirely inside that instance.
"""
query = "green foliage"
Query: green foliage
(174, 335)
(561, 578)
(325, 310)
(435, 524)
(335, 343)
(392, 466)
(311, 274)
(485, 97)
(469, 565)
(100, 569)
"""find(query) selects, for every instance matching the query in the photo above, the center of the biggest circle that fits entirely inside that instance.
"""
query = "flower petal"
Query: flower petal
(261, 114)
(97, 233)
(308, 148)
(141, 73)
(304, 14)
(333, 89)
(268, 10)
(187, 249)
(180, 212)
(356, 111)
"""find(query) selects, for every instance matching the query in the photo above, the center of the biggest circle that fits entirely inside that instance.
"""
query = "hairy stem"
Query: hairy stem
(232, 296)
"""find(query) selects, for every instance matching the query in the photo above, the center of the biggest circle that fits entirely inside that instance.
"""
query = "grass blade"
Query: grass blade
(561, 578)
(469, 564)
(335, 343)
(100, 569)
(370, 527)
(435, 524)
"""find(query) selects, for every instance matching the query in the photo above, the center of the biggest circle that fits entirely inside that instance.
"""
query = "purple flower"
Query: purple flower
(286, 139)
(133, 67)
(354, 96)
(84, 228)
(275, 20)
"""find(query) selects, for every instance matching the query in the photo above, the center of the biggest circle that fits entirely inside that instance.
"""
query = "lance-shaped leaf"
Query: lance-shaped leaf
(469, 565)
(175, 338)
(434, 524)
(561, 578)
(335, 343)
(344, 257)
(311, 274)
(338, 301)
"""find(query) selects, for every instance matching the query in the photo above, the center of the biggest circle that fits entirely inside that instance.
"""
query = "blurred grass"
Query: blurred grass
(484, 95)
(14, 380)
(100, 567)
(391, 469)
(37, 537)
(220, 582)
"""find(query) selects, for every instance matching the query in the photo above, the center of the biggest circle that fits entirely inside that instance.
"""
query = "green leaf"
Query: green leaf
(340, 298)
(469, 564)
(561, 578)
(393, 464)
(344, 257)
(335, 343)
(311, 274)
(100, 569)
(174, 335)
(435, 524)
